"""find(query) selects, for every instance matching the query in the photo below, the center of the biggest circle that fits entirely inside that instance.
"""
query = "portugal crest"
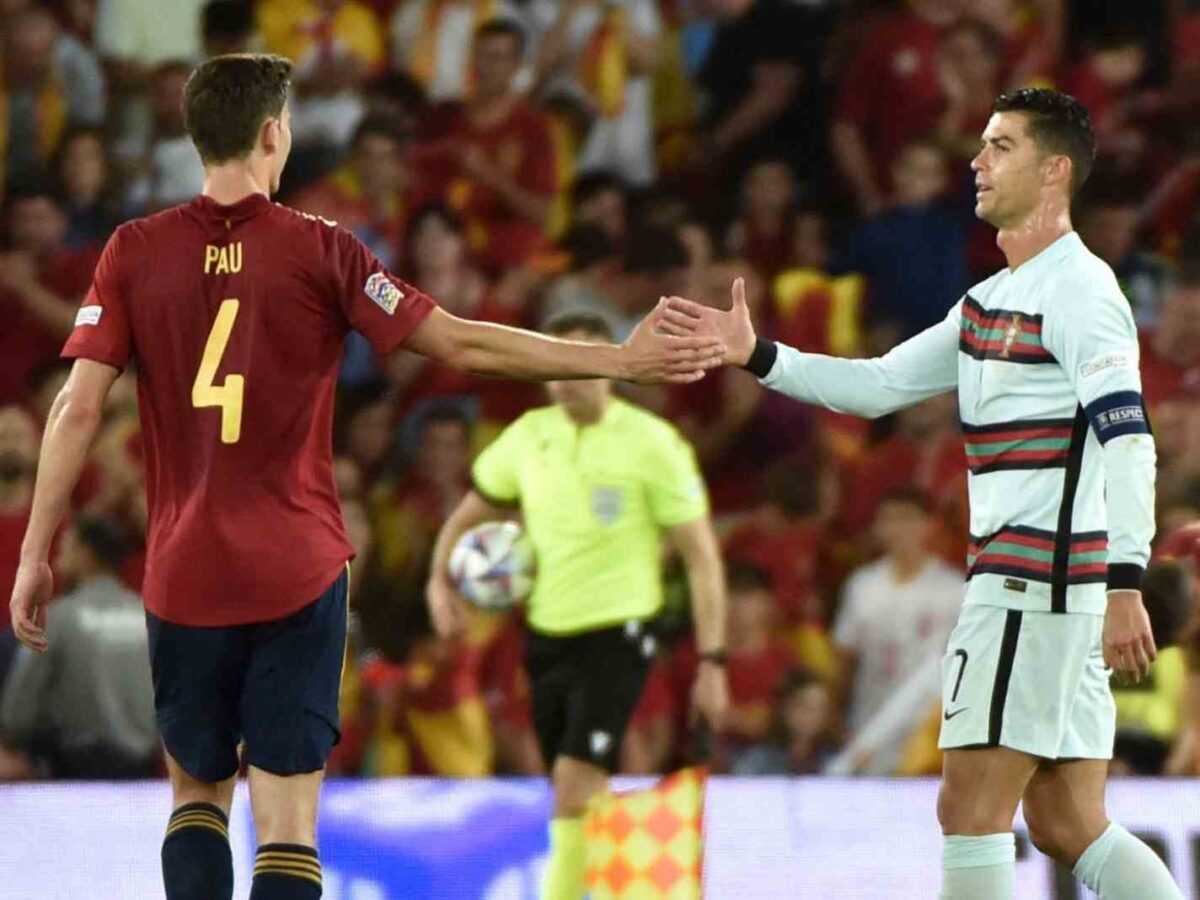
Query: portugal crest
(1011, 334)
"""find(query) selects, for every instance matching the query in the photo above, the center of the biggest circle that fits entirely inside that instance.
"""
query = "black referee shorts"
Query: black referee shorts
(584, 689)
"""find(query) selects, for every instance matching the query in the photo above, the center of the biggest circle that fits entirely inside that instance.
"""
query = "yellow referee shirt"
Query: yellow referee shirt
(595, 500)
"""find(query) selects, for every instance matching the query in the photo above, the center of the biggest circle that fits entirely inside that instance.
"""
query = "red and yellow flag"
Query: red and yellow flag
(648, 845)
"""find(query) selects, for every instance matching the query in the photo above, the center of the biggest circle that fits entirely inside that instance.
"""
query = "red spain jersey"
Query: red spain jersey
(234, 317)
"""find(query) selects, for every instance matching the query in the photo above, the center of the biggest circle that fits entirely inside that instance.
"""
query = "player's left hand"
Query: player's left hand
(31, 592)
(734, 328)
(653, 355)
(710, 695)
(1128, 642)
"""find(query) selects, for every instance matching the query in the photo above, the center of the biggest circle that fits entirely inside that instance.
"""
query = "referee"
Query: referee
(598, 481)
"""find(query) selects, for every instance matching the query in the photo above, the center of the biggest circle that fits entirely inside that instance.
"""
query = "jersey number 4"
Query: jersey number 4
(228, 396)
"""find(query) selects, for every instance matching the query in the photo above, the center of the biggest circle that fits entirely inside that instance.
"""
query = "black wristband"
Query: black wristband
(1125, 577)
(762, 359)
(716, 657)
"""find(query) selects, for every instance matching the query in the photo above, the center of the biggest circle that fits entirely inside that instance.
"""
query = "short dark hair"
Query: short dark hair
(502, 26)
(741, 576)
(104, 538)
(587, 322)
(228, 98)
(1059, 124)
(446, 414)
(587, 245)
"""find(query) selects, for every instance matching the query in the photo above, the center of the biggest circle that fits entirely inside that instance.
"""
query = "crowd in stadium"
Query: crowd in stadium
(516, 160)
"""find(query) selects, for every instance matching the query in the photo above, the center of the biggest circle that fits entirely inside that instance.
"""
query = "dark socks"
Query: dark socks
(196, 861)
(286, 872)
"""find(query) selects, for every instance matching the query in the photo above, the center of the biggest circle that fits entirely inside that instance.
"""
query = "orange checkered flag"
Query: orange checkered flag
(648, 845)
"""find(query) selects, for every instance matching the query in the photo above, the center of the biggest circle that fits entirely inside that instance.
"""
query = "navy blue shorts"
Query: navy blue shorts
(272, 684)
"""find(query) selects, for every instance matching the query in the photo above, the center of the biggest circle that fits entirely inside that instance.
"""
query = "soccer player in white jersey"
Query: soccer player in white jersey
(1044, 357)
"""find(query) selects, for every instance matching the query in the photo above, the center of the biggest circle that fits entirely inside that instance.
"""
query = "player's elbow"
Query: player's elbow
(76, 408)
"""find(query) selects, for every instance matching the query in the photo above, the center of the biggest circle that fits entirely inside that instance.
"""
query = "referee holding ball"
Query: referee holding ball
(598, 482)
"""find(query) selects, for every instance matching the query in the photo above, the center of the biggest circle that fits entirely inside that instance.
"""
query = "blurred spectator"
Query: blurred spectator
(86, 706)
(366, 429)
(762, 234)
(48, 81)
(607, 51)
(336, 46)
(227, 26)
(758, 661)
(921, 447)
(786, 536)
(491, 157)
(890, 95)
(439, 264)
(798, 740)
(431, 41)
(370, 193)
(41, 283)
(169, 170)
(593, 278)
(406, 512)
(1108, 221)
(82, 172)
(1171, 349)
(896, 615)
(763, 83)
(1105, 80)
(601, 199)
(914, 253)
(970, 68)
(18, 463)
(134, 38)
(1149, 713)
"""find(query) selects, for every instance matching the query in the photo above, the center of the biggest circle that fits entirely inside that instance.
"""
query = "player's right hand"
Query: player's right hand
(1128, 641)
(654, 354)
(734, 327)
(447, 609)
(32, 590)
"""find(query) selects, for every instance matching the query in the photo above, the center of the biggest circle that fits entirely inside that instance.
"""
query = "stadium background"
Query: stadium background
(657, 146)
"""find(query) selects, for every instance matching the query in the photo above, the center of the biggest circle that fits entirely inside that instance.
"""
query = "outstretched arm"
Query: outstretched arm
(487, 349)
(919, 368)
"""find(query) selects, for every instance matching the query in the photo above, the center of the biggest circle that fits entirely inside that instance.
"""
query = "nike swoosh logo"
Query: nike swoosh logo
(950, 715)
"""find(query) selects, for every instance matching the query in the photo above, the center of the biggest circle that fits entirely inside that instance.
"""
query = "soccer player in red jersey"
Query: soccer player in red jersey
(234, 310)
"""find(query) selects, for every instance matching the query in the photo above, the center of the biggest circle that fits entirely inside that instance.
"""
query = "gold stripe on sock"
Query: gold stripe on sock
(288, 871)
(299, 860)
(197, 814)
(199, 820)
(269, 864)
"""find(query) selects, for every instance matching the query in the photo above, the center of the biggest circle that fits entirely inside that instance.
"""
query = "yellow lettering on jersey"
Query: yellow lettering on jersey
(223, 260)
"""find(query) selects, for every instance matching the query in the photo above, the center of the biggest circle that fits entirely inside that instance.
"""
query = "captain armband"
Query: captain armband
(1118, 414)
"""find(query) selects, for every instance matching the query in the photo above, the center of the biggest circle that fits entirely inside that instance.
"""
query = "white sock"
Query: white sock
(1118, 866)
(978, 867)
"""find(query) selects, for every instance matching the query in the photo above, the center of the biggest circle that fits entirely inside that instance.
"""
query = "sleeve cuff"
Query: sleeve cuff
(497, 502)
(1125, 577)
(762, 360)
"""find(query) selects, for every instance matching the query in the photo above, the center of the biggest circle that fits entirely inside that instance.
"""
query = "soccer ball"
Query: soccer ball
(492, 565)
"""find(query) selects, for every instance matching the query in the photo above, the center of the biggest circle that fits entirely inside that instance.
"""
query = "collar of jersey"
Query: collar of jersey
(246, 208)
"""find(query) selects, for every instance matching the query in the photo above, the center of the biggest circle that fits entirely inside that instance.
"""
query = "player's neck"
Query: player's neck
(233, 182)
(1041, 228)
(907, 567)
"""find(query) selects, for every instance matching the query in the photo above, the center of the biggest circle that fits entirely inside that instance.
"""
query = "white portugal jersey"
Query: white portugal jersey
(1061, 462)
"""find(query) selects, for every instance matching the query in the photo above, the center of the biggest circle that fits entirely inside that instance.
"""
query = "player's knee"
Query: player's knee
(967, 813)
(1057, 838)
(285, 807)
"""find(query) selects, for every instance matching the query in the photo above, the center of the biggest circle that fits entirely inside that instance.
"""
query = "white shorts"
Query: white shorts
(1031, 681)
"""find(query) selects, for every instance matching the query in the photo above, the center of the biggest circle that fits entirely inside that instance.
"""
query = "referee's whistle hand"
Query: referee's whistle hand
(1129, 648)
(446, 608)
